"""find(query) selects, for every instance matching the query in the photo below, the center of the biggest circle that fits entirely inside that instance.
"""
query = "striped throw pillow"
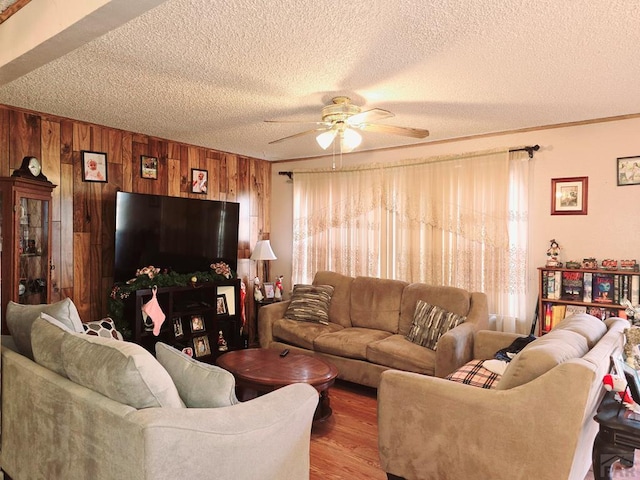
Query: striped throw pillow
(430, 322)
(310, 303)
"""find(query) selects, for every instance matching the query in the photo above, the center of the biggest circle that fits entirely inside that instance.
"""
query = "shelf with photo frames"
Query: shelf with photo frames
(195, 316)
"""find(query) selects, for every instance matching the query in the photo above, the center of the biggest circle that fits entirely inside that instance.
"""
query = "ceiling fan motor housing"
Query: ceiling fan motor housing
(339, 110)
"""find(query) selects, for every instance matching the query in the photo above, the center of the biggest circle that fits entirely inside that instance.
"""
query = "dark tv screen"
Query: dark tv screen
(181, 234)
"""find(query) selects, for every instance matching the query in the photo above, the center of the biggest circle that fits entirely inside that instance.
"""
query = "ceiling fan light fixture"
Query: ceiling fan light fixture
(351, 139)
(326, 138)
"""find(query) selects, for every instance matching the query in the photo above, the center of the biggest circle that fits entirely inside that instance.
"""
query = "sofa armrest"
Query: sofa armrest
(455, 348)
(267, 437)
(488, 342)
(266, 316)
(435, 428)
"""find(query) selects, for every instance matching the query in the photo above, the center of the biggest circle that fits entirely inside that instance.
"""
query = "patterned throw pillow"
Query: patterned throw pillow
(474, 373)
(430, 322)
(310, 303)
(102, 328)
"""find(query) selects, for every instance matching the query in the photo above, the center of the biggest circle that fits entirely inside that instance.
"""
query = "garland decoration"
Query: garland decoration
(147, 277)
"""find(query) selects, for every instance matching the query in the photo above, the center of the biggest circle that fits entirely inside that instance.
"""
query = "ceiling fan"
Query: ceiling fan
(343, 119)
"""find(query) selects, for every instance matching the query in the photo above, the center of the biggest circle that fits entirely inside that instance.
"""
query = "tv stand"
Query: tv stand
(193, 320)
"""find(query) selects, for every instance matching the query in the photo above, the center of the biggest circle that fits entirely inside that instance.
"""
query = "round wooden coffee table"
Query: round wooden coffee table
(263, 370)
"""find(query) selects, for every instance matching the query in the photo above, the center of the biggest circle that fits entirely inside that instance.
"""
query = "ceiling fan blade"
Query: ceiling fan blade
(301, 134)
(406, 131)
(369, 116)
(313, 122)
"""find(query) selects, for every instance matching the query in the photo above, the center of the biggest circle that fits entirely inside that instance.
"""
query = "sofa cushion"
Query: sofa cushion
(590, 327)
(348, 342)
(21, 317)
(301, 334)
(375, 303)
(122, 371)
(310, 303)
(200, 385)
(452, 299)
(46, 342)
(542, 355)
(399, 353)
(339, 310)
(102, 328)
(473, 373)
(430, 322)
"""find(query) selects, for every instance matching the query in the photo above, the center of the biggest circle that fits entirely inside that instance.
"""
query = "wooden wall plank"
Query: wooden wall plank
(55, 260)
(24, 137)
(66, 141)
(64, 264)
(127, 146)
(4, 142)
(174, 179)
(51, 161)
(82, 274)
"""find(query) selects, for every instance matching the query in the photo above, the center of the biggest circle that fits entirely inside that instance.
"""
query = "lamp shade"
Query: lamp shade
(326, 138)
(263, 251)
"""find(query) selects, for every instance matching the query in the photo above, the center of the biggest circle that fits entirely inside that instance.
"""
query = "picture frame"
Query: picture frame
(94, 166)
(221, 305)
(199, 179)
(149, 167)
(569, 196)
(628, 171)
(177, 327)
(197, 323)
(201, 346)
(633, 381)
(269, 290)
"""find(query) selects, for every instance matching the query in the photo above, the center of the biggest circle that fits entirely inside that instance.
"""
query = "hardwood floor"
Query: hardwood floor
(345, 446)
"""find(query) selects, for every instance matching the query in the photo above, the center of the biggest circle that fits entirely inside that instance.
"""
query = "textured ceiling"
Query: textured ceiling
(208, 73)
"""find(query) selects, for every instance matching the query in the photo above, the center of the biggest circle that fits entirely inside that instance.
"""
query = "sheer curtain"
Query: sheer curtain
(440, 220)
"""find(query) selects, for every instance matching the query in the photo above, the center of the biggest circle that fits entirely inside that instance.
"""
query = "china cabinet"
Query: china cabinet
(25, 236)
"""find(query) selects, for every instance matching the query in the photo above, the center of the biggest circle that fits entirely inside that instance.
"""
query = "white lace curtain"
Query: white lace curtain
(455, 220)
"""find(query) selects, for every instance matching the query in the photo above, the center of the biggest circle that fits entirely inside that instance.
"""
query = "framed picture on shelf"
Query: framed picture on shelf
(148, 167)
(628, 171)
(633, 380)
(201, 346)
(199, 179)
(221, 305)
(197, 323)
(177, 327)
(269, 290)
(569, 196)
(94, 166)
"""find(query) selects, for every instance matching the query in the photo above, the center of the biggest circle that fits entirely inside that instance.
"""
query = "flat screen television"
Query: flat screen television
(181, 234)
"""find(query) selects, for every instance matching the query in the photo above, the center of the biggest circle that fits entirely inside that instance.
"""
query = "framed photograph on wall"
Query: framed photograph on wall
(569, 196)
(94, 166)
(148, 167)
(628, 171)
(221, 305)
(199, 179)
(201, 346)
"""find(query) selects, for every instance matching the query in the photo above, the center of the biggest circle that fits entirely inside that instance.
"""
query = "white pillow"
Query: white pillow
(122, 371)
(200, 385)
(21, 317)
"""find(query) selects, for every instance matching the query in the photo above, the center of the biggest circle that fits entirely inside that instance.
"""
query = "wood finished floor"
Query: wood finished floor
(345, 446)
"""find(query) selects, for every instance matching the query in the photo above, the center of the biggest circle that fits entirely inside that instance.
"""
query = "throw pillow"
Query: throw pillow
(310, 303)
(430, 322)
(102, 328)
(200, 385)
(21, 317)
(46, 342)
(122, 371)
(475, 374)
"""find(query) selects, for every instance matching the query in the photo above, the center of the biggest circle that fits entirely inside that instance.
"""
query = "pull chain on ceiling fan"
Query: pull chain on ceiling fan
(342, 119)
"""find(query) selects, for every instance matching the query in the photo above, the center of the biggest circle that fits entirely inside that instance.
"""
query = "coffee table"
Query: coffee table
(263, 370)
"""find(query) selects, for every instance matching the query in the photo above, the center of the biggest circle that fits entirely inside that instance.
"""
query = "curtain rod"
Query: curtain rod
(529, 150)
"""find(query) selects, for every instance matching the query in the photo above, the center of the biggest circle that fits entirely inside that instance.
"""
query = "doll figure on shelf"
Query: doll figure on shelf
(257, 292)
(279, 289)
(553, 254)
(222, 343)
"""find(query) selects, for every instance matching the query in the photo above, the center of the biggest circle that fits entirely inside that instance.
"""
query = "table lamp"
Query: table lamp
(263, 251)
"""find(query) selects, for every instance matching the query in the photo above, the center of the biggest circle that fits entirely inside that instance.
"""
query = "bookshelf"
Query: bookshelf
(598, 292)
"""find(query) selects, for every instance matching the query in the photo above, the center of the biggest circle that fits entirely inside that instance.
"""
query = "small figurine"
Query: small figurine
(279, 288)
(257, 292)
(222, 343)
(553, 253)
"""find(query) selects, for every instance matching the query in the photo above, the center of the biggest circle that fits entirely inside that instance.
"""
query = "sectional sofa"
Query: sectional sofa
(368, 321)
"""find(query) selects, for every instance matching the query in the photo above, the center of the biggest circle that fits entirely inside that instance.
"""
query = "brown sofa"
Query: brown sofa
(537, 422)
(368, 321)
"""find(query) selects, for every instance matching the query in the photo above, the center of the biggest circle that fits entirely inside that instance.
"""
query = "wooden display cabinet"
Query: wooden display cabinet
(598, 292)
(194, 317)
(25, 236)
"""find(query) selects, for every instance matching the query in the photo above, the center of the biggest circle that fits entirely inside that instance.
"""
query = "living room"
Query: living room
(83, 212)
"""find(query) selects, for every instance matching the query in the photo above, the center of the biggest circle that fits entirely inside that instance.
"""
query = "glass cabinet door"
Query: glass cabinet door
(33, 244)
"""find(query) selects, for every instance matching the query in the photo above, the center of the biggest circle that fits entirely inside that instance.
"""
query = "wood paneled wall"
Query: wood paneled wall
(84, 212)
